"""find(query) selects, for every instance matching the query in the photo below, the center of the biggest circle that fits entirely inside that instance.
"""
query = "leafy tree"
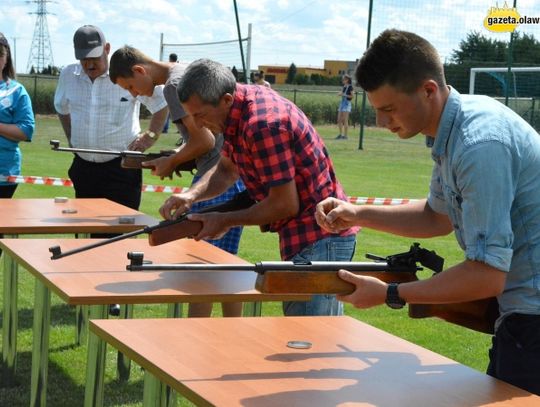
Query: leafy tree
(476, 50)
(291, 74)
(301, 79)
(50, 70)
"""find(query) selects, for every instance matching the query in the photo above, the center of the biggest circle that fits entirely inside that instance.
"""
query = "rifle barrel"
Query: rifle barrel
(57, 251)
(262, 267)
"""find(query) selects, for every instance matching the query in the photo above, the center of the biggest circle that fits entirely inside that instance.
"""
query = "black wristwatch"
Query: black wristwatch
(393, 300)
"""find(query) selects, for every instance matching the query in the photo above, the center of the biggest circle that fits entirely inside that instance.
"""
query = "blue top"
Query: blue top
(15, 108)
(486, 177)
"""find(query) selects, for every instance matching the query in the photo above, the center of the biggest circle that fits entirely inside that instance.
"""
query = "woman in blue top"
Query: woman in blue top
(16, 120)
(345, 107)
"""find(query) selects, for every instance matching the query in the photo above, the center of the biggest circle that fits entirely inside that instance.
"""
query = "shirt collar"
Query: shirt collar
(446, 123)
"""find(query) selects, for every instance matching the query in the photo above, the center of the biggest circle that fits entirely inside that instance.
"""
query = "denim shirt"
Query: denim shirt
(486, 178)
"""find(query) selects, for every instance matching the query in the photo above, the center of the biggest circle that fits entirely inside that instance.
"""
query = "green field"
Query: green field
(387, 167)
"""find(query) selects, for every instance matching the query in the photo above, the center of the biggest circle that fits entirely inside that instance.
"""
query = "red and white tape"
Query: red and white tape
(62, 182)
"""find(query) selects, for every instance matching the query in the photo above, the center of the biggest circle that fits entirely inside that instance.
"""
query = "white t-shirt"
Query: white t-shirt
(103, 115)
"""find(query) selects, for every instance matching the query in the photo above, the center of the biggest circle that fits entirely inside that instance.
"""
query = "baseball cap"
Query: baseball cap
(89, 42)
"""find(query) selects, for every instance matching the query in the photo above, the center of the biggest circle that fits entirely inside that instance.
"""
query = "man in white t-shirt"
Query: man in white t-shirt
(97, 114)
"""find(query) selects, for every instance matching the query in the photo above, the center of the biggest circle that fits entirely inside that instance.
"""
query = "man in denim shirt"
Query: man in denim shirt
(485, 187)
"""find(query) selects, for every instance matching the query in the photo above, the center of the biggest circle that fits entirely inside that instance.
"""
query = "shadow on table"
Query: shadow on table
(384, 379)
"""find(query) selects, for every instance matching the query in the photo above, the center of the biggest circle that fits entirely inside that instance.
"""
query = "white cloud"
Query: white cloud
(306, 32)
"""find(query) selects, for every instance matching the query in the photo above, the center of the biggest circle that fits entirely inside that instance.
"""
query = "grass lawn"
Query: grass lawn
(386, 167)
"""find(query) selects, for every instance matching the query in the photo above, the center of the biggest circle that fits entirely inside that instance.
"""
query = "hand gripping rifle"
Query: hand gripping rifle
(130, 159)
(167, 230)
(320, 277)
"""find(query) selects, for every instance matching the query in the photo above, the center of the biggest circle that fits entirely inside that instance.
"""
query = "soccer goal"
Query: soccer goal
(519, 88)
(226, 52)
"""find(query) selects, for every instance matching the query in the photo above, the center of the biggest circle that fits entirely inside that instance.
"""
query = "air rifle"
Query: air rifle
(130, 159)
(320, 277)
(167, 230)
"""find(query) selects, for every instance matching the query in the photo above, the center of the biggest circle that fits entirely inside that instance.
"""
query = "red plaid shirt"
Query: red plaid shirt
(272, 142)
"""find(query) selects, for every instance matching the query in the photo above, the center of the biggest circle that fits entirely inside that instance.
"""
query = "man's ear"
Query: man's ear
(228, 99)
(431, 88)
(141, 70)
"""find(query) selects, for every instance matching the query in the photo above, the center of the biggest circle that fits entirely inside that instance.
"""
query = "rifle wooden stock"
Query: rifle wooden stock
(135, 161)
(320, 282)
(175, 231)
(188, 228)
(479, 315)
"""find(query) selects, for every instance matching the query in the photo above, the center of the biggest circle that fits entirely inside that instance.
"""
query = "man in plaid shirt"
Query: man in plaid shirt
(271, 145)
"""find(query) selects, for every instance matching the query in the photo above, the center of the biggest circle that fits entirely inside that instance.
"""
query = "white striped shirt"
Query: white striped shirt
(103, 115)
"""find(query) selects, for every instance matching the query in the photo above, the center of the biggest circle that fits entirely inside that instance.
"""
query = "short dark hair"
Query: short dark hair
(173, 57)
(400, 59)
(123, 60)
(207, 79)
(9, 70)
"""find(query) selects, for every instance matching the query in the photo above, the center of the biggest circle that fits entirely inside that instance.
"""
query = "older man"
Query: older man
(97, 114)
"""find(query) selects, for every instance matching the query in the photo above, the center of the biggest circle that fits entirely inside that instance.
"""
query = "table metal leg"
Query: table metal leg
(11, 320)
(40, 349)
(174, 310)
(152, 390)
(252, 309)
(123, 363)
(81, 312)
(81, 321)
(95, 362)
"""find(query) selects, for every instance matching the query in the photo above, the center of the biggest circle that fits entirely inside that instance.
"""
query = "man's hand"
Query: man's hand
(369, 292)
(214, 225)
(176, 205)
(162, 167)
(335, 215)
(143, 141)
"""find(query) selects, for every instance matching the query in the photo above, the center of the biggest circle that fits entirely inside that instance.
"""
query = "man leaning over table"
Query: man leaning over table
(484, 187)
(274, 149)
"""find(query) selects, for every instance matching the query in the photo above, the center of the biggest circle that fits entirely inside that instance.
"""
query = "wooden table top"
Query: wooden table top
(246, 362)
(99, 276)
(94, 215)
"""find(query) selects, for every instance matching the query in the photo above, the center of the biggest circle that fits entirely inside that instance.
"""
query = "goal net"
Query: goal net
(519, 88)
(226, 52)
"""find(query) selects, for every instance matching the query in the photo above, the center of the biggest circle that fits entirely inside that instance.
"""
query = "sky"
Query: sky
(282, 31)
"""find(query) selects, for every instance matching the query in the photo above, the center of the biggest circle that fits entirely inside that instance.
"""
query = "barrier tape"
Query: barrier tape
(62, 182)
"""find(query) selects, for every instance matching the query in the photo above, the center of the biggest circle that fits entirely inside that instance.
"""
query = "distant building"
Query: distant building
(277, 74)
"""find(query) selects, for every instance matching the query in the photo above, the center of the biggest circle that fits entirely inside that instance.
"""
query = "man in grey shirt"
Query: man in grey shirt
(139, 74)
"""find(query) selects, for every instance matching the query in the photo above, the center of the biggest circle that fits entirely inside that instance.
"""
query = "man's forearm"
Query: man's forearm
(158, 120)
(215, 181)
(414, 219)
(466, 281)
(65, 121)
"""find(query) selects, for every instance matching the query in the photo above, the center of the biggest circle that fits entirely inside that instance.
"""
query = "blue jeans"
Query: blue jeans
(338, 248)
